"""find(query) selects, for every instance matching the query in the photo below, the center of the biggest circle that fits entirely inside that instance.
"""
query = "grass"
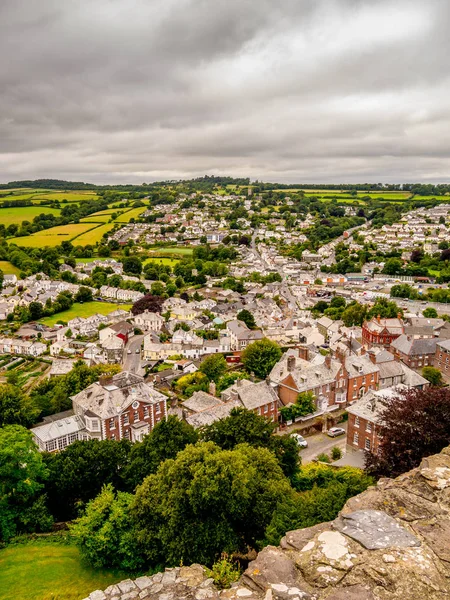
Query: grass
(131, 214)
(93, 235)
(162, 261)
(174, 250)
(87, 260)
(17, 214)
(87, 309)
(48, 571)
(53, 236)
(8, 268)
(96, 219)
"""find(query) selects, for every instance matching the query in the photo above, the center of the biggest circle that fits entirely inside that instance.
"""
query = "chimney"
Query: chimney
(212, 388)
(328, 361)
(290, 363)
(372, 357)
(378, 318)
(105, 380)
(303, 352)
(234, 395)
(363, 351)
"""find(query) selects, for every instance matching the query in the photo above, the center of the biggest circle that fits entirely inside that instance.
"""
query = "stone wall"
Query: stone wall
(390, 543)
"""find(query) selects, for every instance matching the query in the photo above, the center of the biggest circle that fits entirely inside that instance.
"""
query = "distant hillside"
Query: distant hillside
(53, 184)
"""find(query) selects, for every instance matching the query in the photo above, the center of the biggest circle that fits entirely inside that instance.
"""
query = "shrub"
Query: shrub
(224, 572)
(322, 457)
(336, 453)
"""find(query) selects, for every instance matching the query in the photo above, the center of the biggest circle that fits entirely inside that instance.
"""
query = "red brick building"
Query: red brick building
(381, 332)
(415, 353)
(363, 375)
(442, 357)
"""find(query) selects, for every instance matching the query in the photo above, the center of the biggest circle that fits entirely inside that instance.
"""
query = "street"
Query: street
(320, 442)
(132, 361)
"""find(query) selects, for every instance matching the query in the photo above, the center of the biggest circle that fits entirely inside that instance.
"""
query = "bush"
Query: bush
(322, 457)
(336, 453)
(224, 572)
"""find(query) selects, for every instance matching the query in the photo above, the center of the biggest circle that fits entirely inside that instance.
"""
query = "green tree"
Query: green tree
(246, 317)
(22, 472)
(354, 314)
(393, 266)
(15, 407)
(105, 532)
(77, 474)
(207, 501)
(430, 313)
(260, 357)
(433, 375)
(305, 403)
(132, 265)
(36, 311)
(84, 294)
(214, 366)
(165, 441)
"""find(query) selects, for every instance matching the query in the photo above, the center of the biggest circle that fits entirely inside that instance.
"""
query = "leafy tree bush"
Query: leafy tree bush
(246, 317)
(207, 501)
(260, 357)
(224, 572)
(336, 453)
(22, 473)
(433, 375)
(414, 424)
(194, 382)
(214, 366)
(15, 407)
(430, 313)
(322, 457)
(148, 302)
(105, 533)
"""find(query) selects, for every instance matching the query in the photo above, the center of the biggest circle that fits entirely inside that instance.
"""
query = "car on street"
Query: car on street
(335, 431)
(128, 351)
(138, 350)
(300, 440)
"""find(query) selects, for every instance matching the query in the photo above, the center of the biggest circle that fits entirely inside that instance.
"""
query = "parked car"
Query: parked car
(335, 431)
(138, 350)
(300, 440)
(128, 351)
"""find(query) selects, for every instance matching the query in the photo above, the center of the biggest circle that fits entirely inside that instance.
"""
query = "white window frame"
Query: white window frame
(357, 421)
(356, 438)
(367, 444)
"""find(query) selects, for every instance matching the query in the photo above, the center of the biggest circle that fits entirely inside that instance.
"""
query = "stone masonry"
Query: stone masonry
(390, 543)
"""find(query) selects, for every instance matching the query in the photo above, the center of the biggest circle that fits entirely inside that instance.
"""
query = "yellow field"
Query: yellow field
(131, 214)
(93, 236)
(96, 219)
(53, 236)
(8, 268)
(17, 214)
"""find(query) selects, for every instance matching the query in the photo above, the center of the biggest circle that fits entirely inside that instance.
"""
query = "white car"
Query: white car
(300, 440)
(335, 431)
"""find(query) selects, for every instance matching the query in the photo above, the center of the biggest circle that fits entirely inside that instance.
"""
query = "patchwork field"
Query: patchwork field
(162, 261)
(87, 309)
(53, 236)
(93, 235)
(131, 214)
(17, 214)
(96, 219)
(174, 250)
(48, 571)
(8, 268)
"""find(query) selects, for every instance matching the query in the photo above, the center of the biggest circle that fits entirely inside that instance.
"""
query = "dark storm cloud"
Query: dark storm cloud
(292, 90)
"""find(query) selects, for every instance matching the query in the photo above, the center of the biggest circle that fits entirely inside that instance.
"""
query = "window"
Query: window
(62, 442)
(356, 438)
(372, 379)
(367, 444)
(112, 423)
(51, 445)
(92, 424)
(126, 434)
(136, 416)
(356, 421)
(157, 409)
(266, 408)
(113, 436)
(126, 419)
(354, 383)
(72, 437)
(368, 426)
(146, 413)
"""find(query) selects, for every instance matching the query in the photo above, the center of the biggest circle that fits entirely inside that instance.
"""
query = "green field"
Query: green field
(96, 219)
(48, 571)
(174, 250)
(53, 236)
(8, 268)
(131, 214)
(86, 260)
(93, 236)
(17, 214)
(162, 261)
(84, 310)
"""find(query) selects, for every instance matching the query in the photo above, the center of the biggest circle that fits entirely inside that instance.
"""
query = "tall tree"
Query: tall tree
(261, 356)
(214, 366)
(246, 317)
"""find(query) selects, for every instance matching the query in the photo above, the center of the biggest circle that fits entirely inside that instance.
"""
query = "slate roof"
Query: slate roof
(412, 347)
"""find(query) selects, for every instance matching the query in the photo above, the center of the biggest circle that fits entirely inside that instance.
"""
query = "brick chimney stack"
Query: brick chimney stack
(303, 352)
(328, 361)
(105, 380)
(290, 363)
(212, 388)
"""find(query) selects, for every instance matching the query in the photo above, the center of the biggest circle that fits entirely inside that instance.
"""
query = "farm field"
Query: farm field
(53, 236)
(86, 260)
(69, 196)
(131, 214)
(8, 268)
(87, 309)
(17, 214)
(93, 235)
(96, 219)
(173, 250)
(44, 570)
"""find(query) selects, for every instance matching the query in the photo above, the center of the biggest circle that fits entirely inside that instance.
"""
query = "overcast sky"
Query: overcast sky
(116, 91)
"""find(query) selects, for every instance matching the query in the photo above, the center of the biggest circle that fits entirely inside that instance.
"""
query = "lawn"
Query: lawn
(8, 268)
(17, 214)
(131, 214)
(69, 196)
(93, 236)
(47, 571)
(173, 250)
(87, 309)
(162, 261)
(53, 236)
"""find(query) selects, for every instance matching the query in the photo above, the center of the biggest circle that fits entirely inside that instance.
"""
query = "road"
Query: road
(132, 361)
(320, 442)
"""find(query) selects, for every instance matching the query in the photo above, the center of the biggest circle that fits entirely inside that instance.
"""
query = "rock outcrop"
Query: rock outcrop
(390, 543)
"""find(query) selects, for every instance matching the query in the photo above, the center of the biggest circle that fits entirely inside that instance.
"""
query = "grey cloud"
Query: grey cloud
(293, 90)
